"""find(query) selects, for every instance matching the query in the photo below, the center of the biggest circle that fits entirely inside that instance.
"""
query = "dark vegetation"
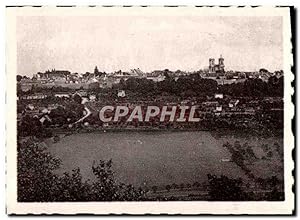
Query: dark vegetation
(225, 189)
(38, 182)
(61, 116)
(194, 85)
(184, 86)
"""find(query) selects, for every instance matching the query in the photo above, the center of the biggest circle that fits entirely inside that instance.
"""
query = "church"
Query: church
(216, 68)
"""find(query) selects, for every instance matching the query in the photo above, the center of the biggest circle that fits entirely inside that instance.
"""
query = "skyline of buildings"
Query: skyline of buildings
(211, 68)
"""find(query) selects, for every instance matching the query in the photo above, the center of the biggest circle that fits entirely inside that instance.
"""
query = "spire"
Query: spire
(96, 71)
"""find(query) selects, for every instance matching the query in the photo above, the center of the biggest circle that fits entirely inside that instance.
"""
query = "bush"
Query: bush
(225, 189)
(37, 181)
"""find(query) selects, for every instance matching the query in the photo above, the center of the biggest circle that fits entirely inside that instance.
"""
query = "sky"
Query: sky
(113, 43)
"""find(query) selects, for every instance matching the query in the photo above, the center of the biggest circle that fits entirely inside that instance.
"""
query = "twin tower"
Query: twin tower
(216, 68)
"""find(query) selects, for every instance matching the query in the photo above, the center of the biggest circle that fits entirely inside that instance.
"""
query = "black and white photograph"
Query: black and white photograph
(114, 110)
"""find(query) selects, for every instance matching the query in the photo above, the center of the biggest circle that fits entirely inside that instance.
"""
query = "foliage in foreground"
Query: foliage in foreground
(37, 181)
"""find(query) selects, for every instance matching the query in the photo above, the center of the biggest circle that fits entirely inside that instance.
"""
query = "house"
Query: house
(121, 93)
(45, 111)
(86, 124)
(218, 108)
(62, 95)
(219, 96)
(52, 106)
(35, 96)
(210, 103)
(45, 118)
(185, 102)
(250, 110)
(81, 93)
(233, 103)
(57, 75)
(158, 78)
(84, 100)
(30, 107)
(92, 97)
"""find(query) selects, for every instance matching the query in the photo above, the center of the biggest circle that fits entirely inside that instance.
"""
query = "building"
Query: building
(56, 75)
(92, 97)
(35, 96)
(62, 95)
(81, 93)
(211, 68)
(219, 108)
(136, 72)
(158, 78)
(121, 93)
(45, 118)
(216, 69)
(219, 96)
(233, 103)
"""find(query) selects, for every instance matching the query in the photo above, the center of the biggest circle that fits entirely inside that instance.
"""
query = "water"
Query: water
(157, 158)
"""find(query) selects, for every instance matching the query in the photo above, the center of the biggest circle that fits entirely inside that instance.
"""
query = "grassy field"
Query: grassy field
(159, 158)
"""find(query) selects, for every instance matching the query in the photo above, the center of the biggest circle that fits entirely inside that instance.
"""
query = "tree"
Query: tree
(154, 189)
(77, 98)
(19, 78)
(56, 138)
(174, 186)
(129, 193)
(263, 70)
(225, 189)
(168, 188)
(32, 127)
(74, 111)
(71, 187)
(36, 180)
(196, 184)
(181, 186)
(167, 74)
(19, 90)
(104, 187)
(96, 71)
(270, 154)
(58, 115)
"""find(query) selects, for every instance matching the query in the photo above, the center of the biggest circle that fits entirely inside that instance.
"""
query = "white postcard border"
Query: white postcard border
(186, 207)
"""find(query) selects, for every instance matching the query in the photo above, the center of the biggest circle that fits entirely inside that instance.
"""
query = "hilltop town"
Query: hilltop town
(53, 105)
(59, 99)
(95, 79)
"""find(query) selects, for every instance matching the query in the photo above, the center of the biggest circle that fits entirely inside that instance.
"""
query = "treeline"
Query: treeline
(44, 90)
(255, 88)
(194, 85)
(223, 188)
(185, 86)
(63, 115)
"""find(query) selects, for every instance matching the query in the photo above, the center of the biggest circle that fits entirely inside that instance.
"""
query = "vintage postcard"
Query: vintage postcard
(149, 110)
